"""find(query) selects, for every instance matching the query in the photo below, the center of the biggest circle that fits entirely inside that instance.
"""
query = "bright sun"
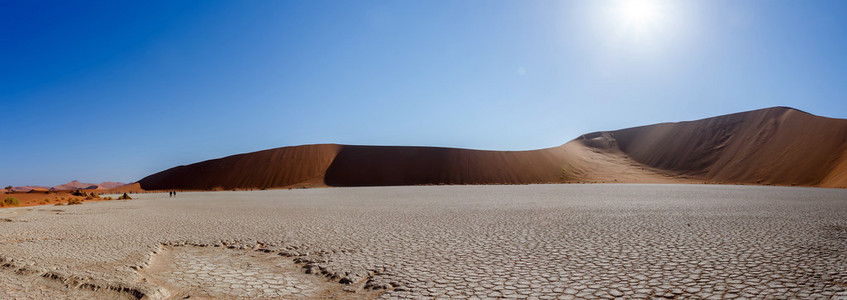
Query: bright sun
(640, 17)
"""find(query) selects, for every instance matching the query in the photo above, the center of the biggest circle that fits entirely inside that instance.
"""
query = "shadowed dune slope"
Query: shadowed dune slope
(390, 165)
(777, 145)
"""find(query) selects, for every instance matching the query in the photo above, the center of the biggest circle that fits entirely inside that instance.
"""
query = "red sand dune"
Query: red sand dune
(126, 188)
(74, 185)
(29, 188)
(780, 145)
(272, 168)
(387, 165)
(777, 145)
(108, 185)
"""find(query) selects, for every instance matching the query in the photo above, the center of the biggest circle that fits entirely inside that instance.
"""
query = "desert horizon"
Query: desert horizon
(325, 149)
(627, 155)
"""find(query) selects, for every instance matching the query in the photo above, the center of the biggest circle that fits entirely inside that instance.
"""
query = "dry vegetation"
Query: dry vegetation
(51, 198)
(10, 201)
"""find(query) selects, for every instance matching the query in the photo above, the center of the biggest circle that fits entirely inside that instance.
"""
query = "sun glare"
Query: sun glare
(640, 17)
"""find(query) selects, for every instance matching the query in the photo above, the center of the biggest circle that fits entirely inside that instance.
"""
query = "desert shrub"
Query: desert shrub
(74, 201)
(108, 198)
(11, 201)
(125, 197)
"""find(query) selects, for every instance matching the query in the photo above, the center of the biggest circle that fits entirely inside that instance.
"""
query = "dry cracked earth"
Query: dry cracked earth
(535, 241)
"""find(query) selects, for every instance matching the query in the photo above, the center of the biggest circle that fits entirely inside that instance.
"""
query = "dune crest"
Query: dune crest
(779, 145)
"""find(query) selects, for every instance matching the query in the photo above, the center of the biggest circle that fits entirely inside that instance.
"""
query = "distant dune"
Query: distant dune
(779, 145)
(73, 185)
(76, 185)
(28, 188)
(110, 185)
(126, 188)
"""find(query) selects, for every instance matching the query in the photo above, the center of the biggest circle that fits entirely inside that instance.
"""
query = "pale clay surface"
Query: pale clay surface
(533, 241)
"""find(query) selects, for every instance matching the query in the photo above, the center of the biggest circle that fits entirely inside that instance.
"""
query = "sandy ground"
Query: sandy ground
(545, 241)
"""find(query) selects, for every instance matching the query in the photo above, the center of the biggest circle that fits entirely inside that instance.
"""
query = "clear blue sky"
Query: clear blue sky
(117, 90)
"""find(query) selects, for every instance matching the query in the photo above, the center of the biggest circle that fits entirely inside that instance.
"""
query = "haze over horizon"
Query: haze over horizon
(103, 91)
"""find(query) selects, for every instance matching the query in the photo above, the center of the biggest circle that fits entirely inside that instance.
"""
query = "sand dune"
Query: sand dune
(272, 168)
(838, 176)
(28, 188)
(343, 165)
(779, 145)
(76, 185)
(595, 161)
(110, 185)
(73, 185)
(386, 165)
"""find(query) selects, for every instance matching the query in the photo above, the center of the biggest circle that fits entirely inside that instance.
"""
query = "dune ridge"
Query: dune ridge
(778, 145)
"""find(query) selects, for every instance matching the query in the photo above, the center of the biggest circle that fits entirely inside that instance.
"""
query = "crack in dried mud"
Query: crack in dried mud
(226, 272)
(556, 241)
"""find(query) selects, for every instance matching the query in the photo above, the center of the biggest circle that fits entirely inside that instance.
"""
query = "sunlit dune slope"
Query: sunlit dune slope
(278, 167)
(777, 145)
